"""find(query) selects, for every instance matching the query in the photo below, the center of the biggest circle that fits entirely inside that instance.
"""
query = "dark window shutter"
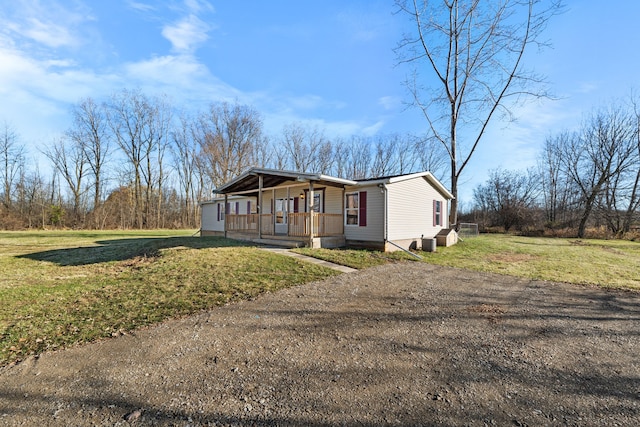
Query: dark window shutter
(248, 207)
(296, 205)
(434, 213)
(237, 208)
(226, 208)
(363, 209)
(218, 205)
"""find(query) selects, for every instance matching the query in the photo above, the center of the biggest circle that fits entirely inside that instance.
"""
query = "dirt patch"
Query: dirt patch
(401, 344)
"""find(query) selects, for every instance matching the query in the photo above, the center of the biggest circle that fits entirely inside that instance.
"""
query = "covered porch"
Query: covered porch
(281, 206)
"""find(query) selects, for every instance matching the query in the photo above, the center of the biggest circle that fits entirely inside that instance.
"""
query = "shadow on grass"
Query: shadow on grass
(123, 249)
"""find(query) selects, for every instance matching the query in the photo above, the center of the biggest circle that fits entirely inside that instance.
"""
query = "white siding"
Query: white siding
(333, 200)
(209, 217)
(374, 230)
(410, 211)
(332, 197)
(209, 212)
(267, 202)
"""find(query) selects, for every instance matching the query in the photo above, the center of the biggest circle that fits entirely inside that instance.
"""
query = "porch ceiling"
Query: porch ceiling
(249, 181)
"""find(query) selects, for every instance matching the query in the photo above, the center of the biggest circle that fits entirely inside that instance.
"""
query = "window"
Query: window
(355, 208)
(221, 211)
(437, 212)
(351, 209)
(283, 208)
(318, 200)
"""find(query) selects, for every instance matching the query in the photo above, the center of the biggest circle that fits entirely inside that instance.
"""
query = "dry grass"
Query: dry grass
(606, 263)
(59, 289)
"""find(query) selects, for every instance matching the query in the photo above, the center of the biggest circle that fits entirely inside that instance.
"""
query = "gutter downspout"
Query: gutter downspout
(259, 207)
(226, 220)
(384, 189)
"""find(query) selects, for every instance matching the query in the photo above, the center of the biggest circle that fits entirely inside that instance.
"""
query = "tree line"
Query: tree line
(132, 161)
(586, 178)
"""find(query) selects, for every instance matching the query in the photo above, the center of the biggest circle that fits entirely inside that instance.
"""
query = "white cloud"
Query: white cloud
(141, 7)
(373, 129)
(49, 34)
(389, 102)
(198, 6)
(186, 34)
(50, 25)
(306, 102)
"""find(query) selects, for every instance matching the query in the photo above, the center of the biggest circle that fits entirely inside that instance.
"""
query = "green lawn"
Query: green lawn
(607, 263)
(58, 289)
(61, 288)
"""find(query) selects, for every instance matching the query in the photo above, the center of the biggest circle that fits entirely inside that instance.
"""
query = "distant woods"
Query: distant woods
(132, 162)
(587, 182)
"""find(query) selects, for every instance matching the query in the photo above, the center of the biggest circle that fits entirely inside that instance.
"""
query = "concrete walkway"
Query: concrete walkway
(287, 252)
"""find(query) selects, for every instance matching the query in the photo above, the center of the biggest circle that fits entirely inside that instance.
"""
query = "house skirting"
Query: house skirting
(204, 233)
(406, 244)
(317, 242)
(396, 245)
(328, 242)
(365, 244)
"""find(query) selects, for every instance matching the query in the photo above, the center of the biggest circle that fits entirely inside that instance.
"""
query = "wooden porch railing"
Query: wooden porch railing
(242, 223)
(267, 224)
(323, 224)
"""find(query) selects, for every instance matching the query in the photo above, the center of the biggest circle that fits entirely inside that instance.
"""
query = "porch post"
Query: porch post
(286, 209)
(310, 204)
(259, 209)
(226, 213)
(344, 191)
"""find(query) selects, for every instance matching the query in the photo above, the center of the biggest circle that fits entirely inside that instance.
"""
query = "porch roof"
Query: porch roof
(248, 181)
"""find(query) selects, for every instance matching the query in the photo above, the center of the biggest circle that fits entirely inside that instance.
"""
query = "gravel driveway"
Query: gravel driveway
(400, 344)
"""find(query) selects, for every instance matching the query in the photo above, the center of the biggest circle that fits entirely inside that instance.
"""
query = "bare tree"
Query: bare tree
(90, 133)
(227, 135)
(140, 125)
(385, 158)
(68, 159)
(634, 193)
(474, 49)
(126, 115)
(306, 148)
(592, 159)
(407, 159)
(185, 158)
(508, 197)
(156, 140)
(359, 158)
(429, 155)
(557, 190)
(11, 161)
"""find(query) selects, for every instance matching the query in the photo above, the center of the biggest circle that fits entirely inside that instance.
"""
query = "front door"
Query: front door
(282, 212)
(318, 200)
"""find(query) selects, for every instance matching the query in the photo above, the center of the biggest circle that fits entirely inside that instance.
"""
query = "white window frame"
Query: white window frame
(356, 208)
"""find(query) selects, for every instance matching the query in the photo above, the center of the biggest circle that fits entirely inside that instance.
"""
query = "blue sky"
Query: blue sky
(328, 63)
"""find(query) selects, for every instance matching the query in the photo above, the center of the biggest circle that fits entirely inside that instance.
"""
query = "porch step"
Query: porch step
(280, 243)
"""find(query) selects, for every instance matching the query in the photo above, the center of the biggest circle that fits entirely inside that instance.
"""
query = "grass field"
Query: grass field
(607, 263)
(61, 288)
